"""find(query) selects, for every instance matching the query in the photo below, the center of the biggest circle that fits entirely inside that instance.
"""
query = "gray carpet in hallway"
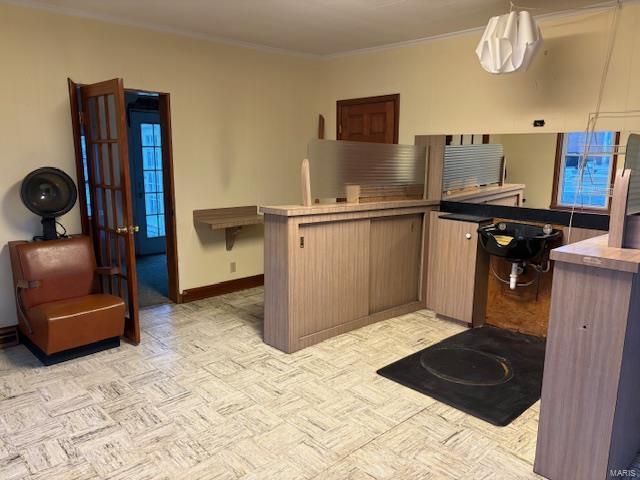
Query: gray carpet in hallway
(152, 280)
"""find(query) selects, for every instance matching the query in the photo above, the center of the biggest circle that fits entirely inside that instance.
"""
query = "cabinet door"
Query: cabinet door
(333, 275)
(452, 268)
(395, 253)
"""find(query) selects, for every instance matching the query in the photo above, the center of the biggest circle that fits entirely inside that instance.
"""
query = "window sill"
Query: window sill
(564, 208)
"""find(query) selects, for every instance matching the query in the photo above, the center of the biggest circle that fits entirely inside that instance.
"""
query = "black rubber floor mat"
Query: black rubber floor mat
(487, 372)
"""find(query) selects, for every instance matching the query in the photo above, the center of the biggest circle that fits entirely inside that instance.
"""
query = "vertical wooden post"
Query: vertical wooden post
(306, 183)
(435, 164)
(618, 214)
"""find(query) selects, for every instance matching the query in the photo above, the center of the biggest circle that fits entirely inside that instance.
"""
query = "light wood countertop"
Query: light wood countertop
(471, 193)
(320, 209)
(595, 252)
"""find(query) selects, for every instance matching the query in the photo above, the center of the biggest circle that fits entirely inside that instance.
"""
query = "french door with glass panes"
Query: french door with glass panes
(147, 180)
(104, 128)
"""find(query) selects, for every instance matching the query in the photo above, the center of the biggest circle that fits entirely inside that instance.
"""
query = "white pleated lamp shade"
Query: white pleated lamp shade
(509, 43)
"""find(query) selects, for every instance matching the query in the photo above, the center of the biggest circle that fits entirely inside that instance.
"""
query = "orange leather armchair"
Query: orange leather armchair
(58, 300)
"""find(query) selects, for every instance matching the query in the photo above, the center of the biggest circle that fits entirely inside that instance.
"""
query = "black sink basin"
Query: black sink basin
(517, 242)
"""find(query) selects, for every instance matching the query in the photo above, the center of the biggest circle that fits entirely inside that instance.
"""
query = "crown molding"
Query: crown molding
(599, 7)
(72, 12)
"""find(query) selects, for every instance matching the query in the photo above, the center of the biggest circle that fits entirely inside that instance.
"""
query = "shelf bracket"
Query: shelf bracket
(230, 236)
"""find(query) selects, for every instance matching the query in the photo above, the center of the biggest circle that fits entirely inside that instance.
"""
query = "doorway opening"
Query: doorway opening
(144, 133)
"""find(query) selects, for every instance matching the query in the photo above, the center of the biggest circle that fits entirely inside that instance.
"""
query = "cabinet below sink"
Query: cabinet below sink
(458, 268)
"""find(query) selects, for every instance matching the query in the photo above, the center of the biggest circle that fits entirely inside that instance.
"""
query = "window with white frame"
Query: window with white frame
(585, 169)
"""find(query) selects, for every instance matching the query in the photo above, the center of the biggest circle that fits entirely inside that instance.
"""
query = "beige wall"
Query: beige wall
(242, 118)
(530, 160)
(241, 122)
(443, 89)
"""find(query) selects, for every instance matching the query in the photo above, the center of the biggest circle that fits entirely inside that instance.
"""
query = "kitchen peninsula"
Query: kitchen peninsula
(333, 268)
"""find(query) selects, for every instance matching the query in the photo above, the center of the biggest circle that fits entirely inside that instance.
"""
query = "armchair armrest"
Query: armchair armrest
(25, 285)
(110, 271)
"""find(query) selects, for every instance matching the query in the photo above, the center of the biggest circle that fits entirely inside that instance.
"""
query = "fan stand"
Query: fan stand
(49, 231)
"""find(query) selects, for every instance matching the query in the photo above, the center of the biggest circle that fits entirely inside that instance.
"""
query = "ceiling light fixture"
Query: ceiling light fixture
(509, 42)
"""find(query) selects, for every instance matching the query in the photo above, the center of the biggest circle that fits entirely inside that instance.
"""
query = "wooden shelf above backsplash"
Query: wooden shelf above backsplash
(511, 193)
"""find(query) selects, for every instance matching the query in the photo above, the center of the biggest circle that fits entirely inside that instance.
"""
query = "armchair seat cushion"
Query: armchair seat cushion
(68, 323)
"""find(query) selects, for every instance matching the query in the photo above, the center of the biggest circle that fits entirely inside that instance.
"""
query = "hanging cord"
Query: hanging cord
(64, 230)
(540, 268)
(593, 119)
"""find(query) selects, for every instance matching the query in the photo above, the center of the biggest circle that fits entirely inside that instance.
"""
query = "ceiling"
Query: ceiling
(314, 27)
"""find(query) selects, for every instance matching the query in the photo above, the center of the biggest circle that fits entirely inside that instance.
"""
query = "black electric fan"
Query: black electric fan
(48, 192)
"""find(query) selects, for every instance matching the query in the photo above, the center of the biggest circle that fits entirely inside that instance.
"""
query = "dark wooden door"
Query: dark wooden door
(109, 184)
(372, 119)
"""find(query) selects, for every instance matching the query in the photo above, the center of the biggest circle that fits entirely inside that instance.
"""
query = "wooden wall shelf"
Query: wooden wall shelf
(509, 194)
(230, 219)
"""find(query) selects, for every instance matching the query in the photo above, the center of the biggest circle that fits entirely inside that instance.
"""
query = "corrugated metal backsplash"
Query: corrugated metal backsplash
(334, 163)
(472, 165)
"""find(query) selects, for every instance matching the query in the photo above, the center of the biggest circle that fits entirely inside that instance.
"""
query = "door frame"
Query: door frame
(164, 102)
(171, 237)
(77, 150)
(395, 98)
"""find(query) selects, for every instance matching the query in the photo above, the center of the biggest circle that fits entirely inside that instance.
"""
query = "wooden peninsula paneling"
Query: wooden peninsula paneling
(332, 268)
(338, 283)
(395, 252)
(589, 418)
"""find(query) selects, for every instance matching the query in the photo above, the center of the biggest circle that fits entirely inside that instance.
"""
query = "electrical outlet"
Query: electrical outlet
(232, 267)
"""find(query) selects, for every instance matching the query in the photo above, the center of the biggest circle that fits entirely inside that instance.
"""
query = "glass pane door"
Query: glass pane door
(152, 173)
(145, 150)
(107, 171)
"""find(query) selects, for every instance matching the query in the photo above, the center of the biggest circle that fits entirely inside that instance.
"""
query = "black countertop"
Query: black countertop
(556, 217)
(466, 218)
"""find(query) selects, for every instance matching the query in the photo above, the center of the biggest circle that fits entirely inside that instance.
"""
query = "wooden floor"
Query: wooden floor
(203, 398)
